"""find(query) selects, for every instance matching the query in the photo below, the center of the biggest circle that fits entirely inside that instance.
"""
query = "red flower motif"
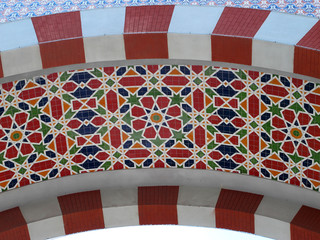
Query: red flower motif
(156, 117)
(296, 132)
(20, 132)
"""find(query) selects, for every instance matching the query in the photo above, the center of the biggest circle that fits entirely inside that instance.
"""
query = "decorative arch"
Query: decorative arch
(116, 89)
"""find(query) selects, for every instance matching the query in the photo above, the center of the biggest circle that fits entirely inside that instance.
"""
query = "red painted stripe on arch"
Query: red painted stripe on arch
(306, 61)
(158, 205)
(146, 45)
(244, 22)
(312, 38)
(231, 49)
(235, 210)
(57, 26)
(1, 69)
(13, 225)
(148, 18)
(61, 53)
(81, 211)
(306, 224)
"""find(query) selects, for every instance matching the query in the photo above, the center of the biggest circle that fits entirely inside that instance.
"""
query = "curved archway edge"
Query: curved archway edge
(275, 41)
(160, 196)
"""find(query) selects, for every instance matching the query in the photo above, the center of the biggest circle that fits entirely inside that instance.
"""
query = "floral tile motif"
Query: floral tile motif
(160, 116)
(14, 10)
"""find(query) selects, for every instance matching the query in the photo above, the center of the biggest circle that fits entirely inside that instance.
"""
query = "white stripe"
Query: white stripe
(285, 28)
(103, 21)
(21, 60)
(194, 19)
(196, 216)
(189, 46)
(17, 35)
(104, 48)
(272, 55)
(46, 228)
(121, 216)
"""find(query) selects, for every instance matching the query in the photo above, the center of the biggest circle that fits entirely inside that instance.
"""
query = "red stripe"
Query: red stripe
(231, 49)
(57, 26)
(158, 205)
(81, 211)
(312, 38)
(244, 22)
(1, 70)
(144, 46)
(306, 62)
(60, 53)
(306, 224)
(13, 225)
(148, 19)
(235, 210)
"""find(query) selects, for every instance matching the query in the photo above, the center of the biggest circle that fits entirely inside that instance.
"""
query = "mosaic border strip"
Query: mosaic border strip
(160, 116)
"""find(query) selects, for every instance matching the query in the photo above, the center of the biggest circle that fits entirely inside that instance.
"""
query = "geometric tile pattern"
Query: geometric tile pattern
(14, 10)
(160, 116)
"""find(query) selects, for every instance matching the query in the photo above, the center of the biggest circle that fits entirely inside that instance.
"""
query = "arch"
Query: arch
(277, 140)
(288, 43)
(169, 196)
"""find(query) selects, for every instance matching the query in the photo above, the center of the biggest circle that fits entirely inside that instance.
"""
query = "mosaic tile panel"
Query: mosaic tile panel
(11, 10)
(160, 116)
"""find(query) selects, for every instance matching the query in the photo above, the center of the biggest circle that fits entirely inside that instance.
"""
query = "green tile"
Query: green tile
(113, 119)
(254, 161)
(58, 126)
(117, 155)
(63, 161)
(253, 124)
(110, 82)
(158, 153)
(154, 80)
(54, 89)
(253, 86)
(200, 154)
(197, 81)
(297, 95)
(199, 118)
(9, 98)
(295, 170)
(22, 170)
